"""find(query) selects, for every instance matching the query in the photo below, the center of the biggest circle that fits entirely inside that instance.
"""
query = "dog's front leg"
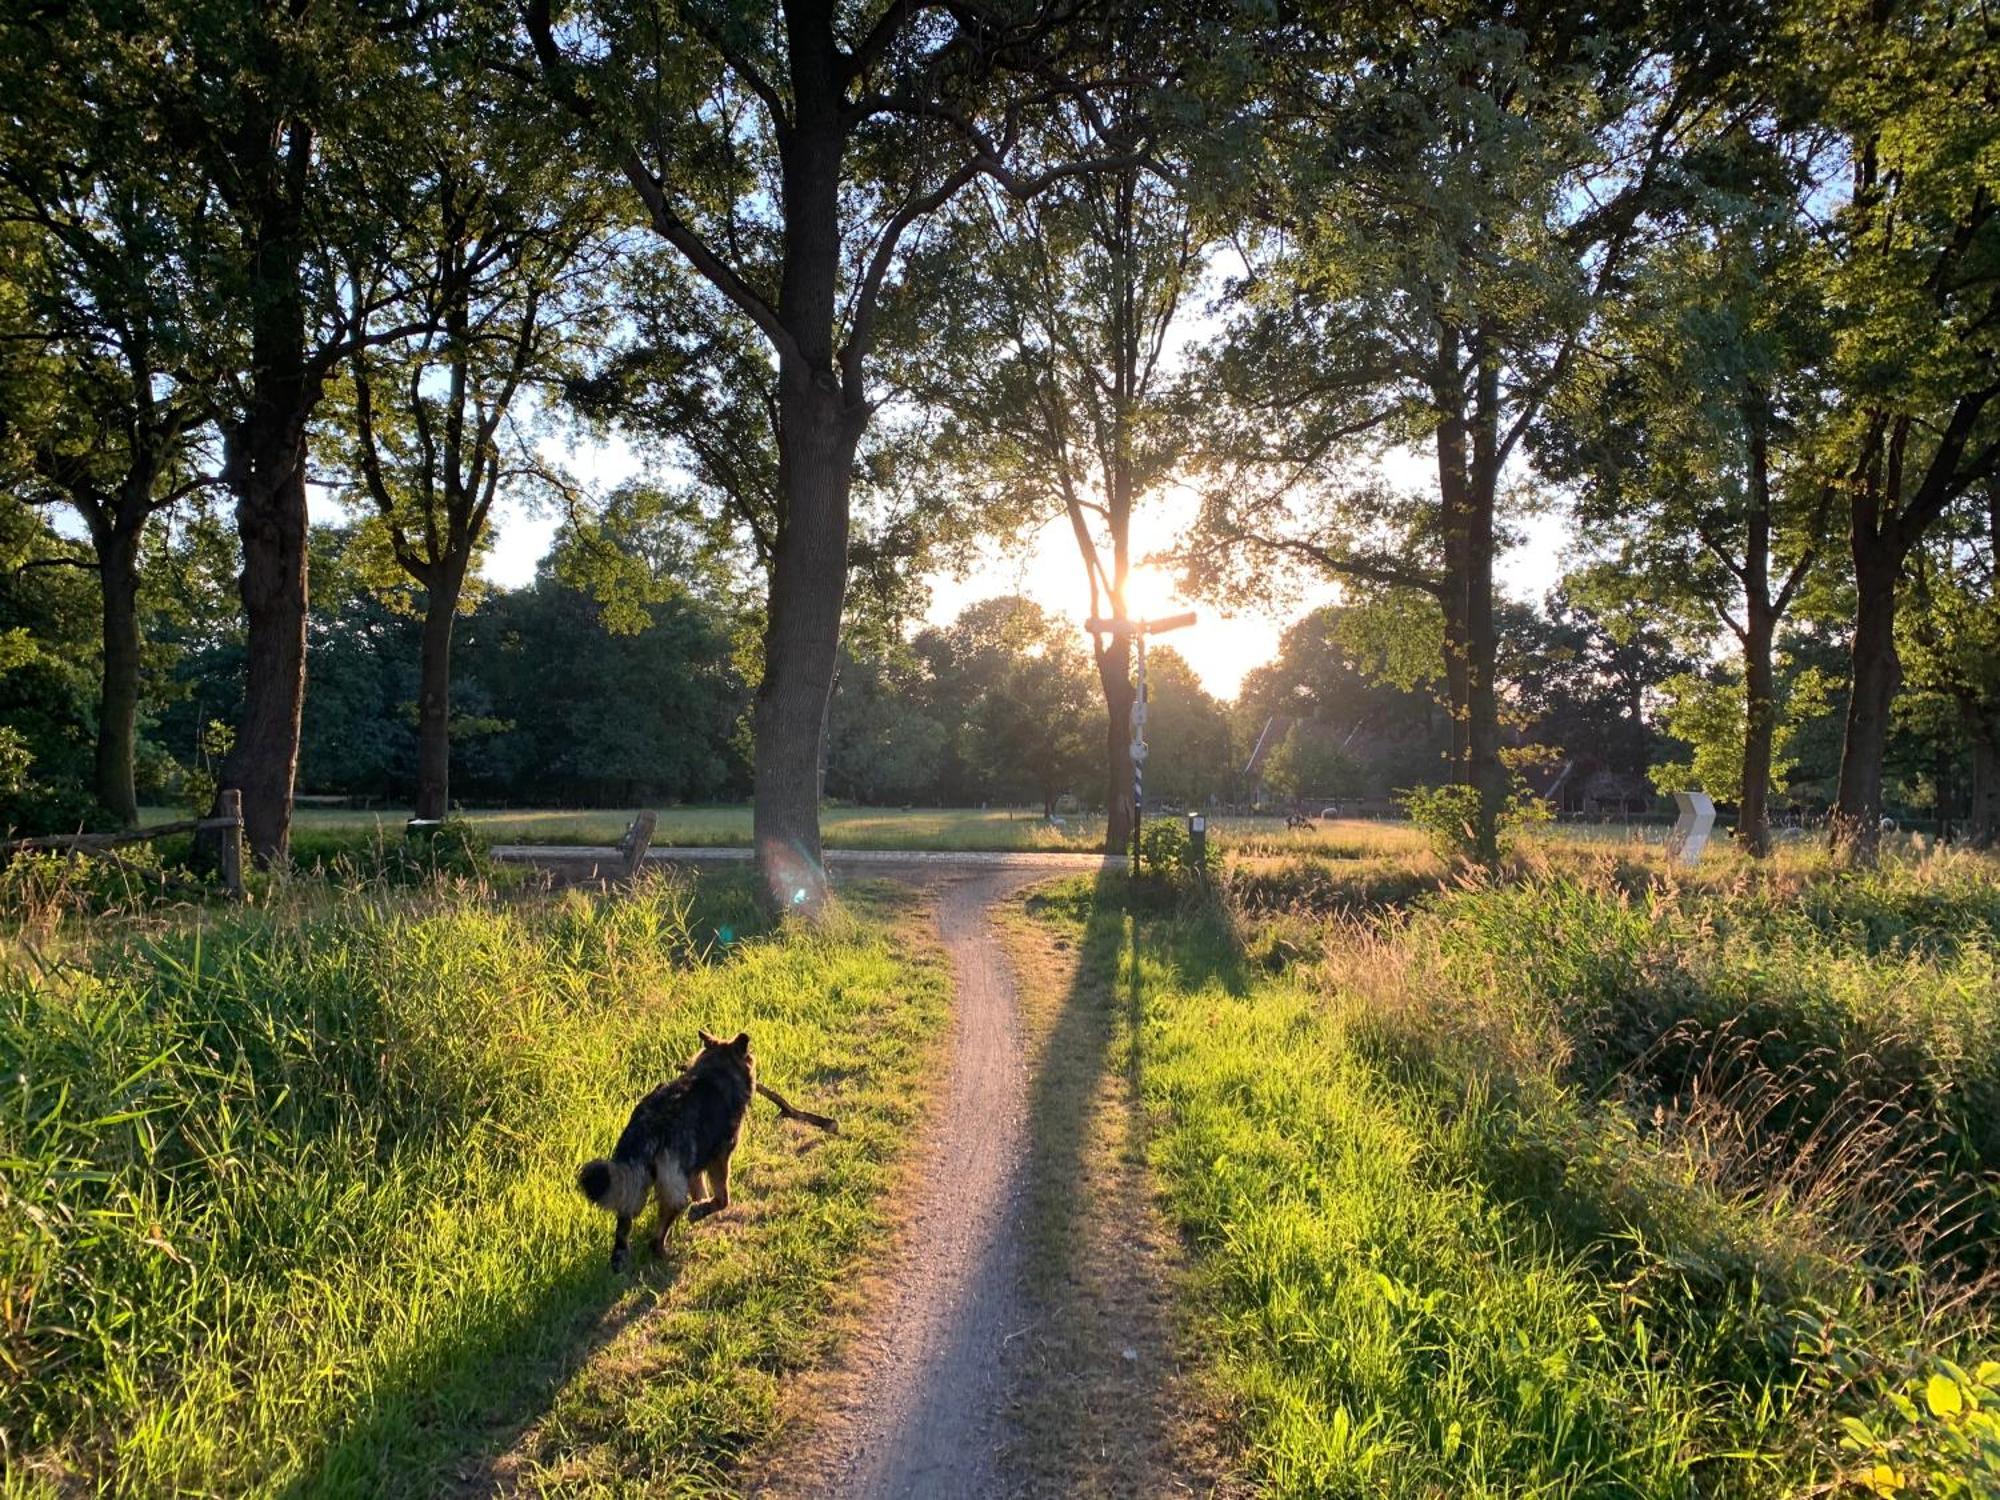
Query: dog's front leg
(620, 1243)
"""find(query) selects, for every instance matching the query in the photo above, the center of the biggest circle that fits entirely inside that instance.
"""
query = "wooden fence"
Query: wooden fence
(229, 817)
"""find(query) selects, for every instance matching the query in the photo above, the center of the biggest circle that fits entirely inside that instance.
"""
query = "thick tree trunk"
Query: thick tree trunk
(1760, 720)
(1486, 771)
(263, 763)
(1876, 675)
(118, 698)
(1982, 823)
(433, 798)
(1467, 483)
(816, 441)
(1114, 672)
(1760, 626)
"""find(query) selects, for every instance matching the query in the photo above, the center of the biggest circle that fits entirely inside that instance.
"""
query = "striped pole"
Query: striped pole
(1138, 747)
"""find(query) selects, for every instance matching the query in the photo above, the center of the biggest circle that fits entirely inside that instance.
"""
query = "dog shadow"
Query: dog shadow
(488, 1385)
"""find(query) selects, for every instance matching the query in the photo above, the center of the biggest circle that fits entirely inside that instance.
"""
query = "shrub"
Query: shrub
(1449, 818)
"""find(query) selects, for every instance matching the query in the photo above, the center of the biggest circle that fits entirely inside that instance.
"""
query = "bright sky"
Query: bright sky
(1220, 646)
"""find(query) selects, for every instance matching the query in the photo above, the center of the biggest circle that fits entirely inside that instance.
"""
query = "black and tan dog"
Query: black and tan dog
(677, 1144)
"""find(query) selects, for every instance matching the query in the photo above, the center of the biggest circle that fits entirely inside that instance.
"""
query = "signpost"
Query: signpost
(1138, 630)
(1690, 835)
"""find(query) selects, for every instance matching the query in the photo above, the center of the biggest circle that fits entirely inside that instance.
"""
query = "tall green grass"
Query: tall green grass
(1586, 1182)
(286, 1198)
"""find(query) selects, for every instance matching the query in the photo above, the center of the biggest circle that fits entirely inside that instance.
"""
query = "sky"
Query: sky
(1221, 646)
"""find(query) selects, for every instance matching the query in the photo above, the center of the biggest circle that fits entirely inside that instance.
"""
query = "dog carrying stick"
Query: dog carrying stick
(785, 1108)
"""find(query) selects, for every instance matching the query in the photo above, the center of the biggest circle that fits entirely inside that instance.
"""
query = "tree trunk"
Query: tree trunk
(1760, 721)
(1485, 770)
(1467, 483)
(1114, 672)
(1760, 627)
(434, 697)
(816, 440)
(1876, 675)
(271, 523)
(1982, 823)
(118, 698)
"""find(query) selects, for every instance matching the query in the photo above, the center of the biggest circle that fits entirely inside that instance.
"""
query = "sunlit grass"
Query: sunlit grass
(287, 1203)
(1593, 1179)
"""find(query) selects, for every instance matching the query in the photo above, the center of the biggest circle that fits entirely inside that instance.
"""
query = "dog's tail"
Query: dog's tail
(593, 1180)
(619, 1187)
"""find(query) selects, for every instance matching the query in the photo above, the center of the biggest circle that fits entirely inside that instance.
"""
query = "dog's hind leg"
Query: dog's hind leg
(717, 1173)
(620, 1243)
(671, 1188)
(699, 1188)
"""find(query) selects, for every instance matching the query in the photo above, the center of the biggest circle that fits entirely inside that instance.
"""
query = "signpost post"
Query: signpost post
(1138, 630)
(1691, 828)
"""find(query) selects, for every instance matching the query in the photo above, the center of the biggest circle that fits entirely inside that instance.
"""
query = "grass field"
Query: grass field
(961, 828)
(1583, 1182)
(286, 1202)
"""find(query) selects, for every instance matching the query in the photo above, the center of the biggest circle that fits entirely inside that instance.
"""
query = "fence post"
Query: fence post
(637, 838)
(230, 807)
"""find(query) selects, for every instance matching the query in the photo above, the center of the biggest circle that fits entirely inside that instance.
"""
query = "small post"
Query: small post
(1198, 842)
(229, 806)
(637, 838)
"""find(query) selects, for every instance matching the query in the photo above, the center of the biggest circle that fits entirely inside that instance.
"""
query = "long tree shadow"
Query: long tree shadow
(1098, 1262)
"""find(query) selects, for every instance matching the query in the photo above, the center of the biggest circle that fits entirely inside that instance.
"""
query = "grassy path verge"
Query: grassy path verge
(287, 1203)
(1424, 1262)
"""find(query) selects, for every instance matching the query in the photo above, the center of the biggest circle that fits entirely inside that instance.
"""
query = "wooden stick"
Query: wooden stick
(785, 1108)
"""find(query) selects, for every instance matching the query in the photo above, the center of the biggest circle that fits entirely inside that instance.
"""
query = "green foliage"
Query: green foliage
(1449, 818)
(1311, 763)
(1939, 1435)
(1586, 1173)
(1167, 850)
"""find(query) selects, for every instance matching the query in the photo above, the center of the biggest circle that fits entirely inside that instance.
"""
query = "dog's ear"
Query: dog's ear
(742, 1042)
(707, 1040)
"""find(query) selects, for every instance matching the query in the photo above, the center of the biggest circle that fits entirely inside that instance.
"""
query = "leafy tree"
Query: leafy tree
(501, 291)
(1061, 313)
(285, 128)
(1697, 436)
(883, 743)
(1312, 763)
(48, 641)
(570, 712)
(1579, 674)
(103, 338)
(1444, 201)
(1951, 643)
(1191, 739)
(1912, 266)
(786, 151)
(1332, 670)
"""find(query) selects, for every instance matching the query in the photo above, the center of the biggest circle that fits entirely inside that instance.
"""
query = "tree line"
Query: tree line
(866, 282)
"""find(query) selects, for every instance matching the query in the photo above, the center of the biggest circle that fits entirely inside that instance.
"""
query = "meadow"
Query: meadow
(1590, 1179)
(319, 831)
(286, 1201)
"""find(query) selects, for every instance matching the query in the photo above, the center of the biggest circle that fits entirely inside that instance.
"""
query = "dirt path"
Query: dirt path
(918, 1405)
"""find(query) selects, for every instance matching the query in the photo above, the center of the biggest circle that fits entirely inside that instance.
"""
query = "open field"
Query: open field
(286, 1201)
(994, 829)
(1580, 1182)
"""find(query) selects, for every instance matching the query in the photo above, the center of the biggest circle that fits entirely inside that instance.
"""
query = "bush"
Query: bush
(1167, 849)
(1449, 818)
